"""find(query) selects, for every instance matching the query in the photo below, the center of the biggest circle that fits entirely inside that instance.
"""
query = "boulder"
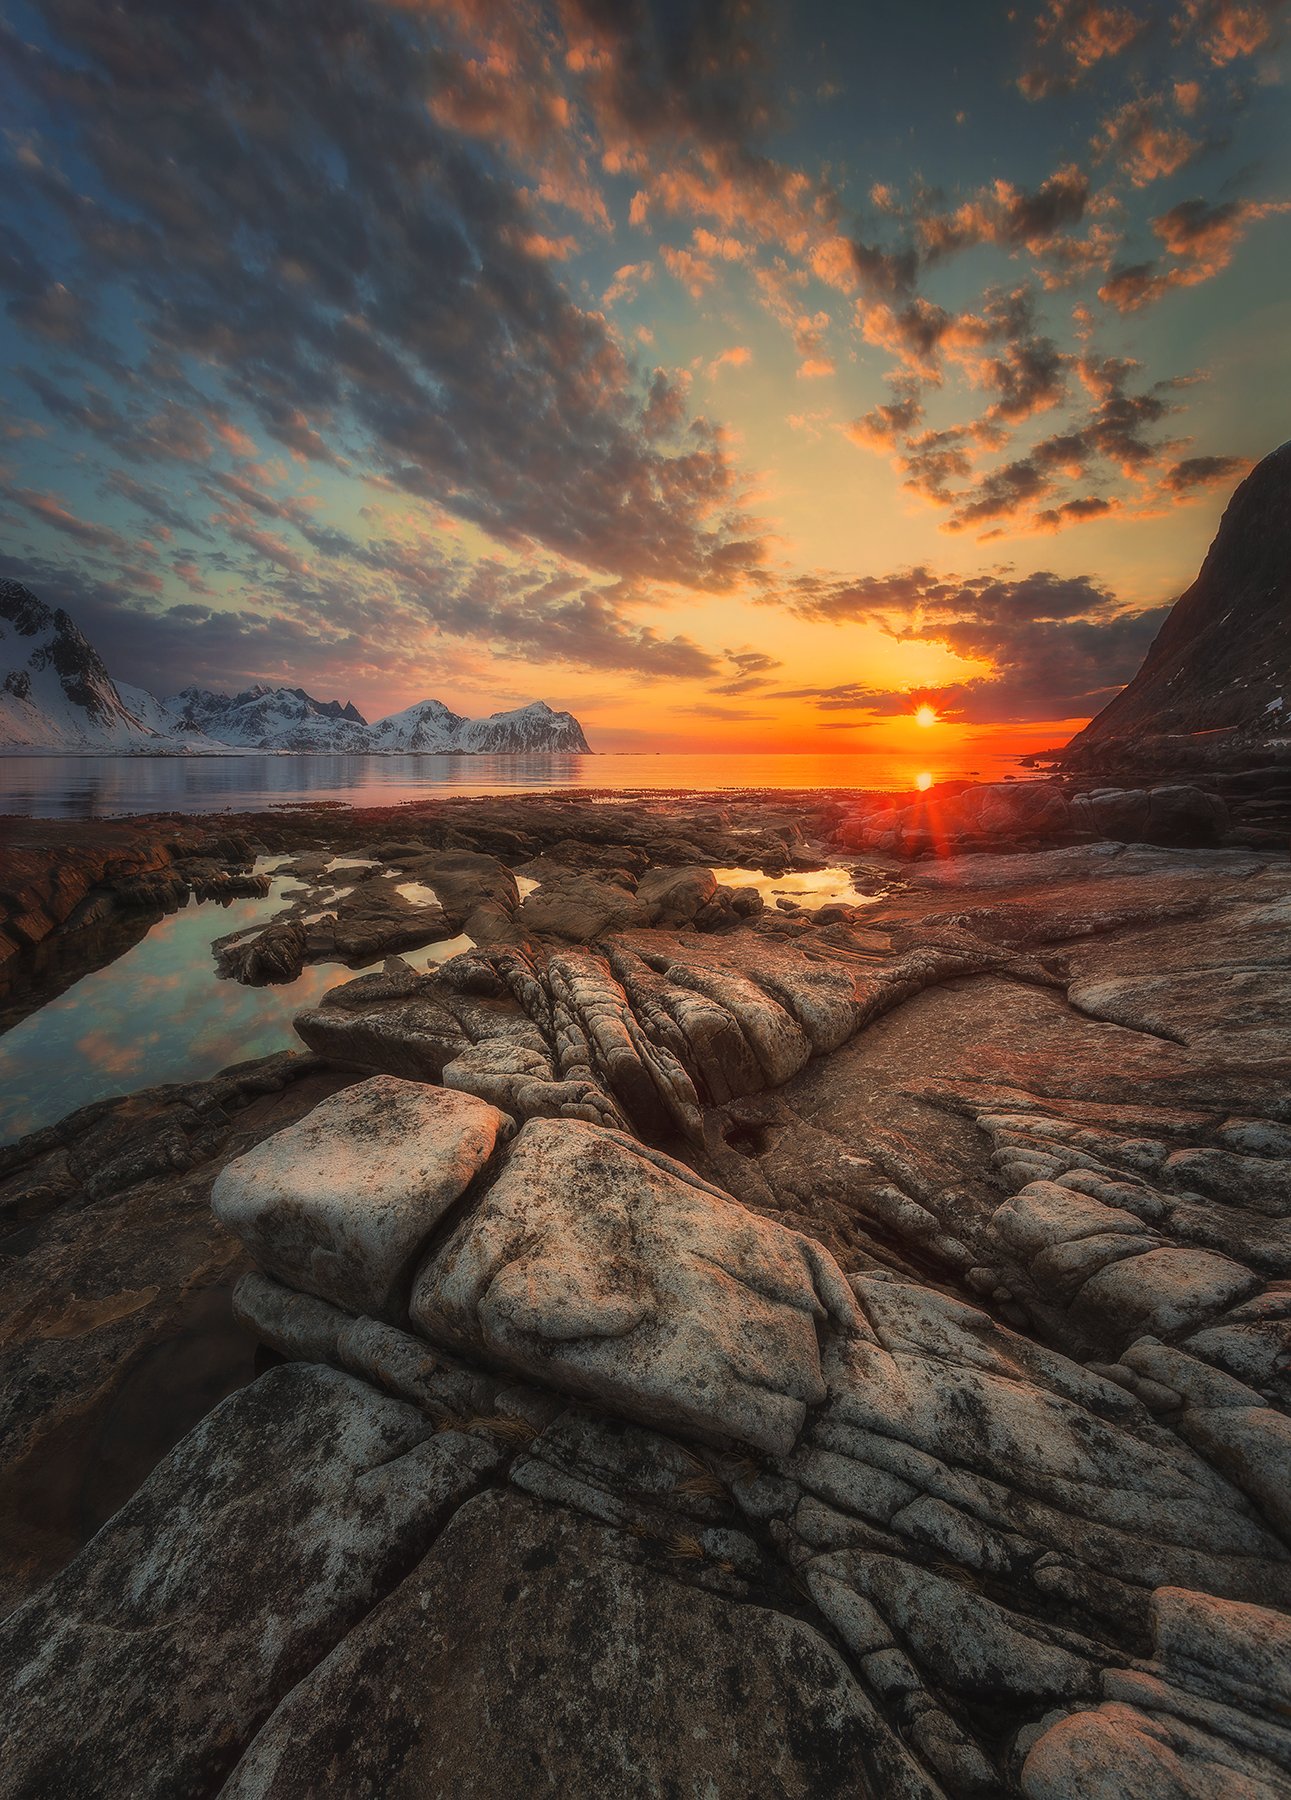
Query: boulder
(675, 896)
(1120, 813)
(1185, 815)
(600, 1267)
(1117, 1752)
(1016, 809)
(582, 904)
(341, 1204)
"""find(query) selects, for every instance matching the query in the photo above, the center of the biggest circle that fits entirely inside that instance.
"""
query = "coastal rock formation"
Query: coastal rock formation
(1024, 814)
(643, 1031)
(1221, 663)
(408, 1150)
(1009, 1562)
(76, 874)
(610, 1271)
(245, 1557)
(844, 1353)
(115, 1280)
(648, 1661)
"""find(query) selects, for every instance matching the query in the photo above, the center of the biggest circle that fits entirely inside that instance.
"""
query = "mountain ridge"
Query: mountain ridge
(56, 695)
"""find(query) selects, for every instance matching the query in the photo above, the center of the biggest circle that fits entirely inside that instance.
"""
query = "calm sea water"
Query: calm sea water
(82, 787)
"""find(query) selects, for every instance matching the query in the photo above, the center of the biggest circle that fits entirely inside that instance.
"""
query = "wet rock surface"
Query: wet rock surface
(814, 1352)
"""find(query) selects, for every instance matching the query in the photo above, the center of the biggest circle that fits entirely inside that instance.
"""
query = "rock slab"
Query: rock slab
(341, 1204)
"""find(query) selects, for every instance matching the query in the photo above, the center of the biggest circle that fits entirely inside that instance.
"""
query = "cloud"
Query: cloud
(553, 249)
(886, 424)
(1204, 471)
(40, 304)
(1001, 493)
(1074, 512)
(1069, 37)
(695, 273)
(51, 510)
(752, 669)
(627, 282)
(1146, 143)
(737, 357)
(357, 283)
(153, 502)
(1117, 437)
(1006, 215)
(1058, 646)
(1202, 236)
(1228, 29)
(404, 623)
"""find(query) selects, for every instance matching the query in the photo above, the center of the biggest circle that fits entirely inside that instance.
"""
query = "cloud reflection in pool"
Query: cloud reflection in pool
(159, 1013)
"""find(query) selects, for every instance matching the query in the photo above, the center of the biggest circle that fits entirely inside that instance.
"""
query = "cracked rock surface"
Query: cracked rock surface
(808, 1356)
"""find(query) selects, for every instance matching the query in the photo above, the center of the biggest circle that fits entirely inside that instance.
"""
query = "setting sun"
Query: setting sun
(925, 716)
(923, 782)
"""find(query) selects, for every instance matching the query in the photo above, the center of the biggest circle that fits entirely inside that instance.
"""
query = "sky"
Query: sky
(736, 375)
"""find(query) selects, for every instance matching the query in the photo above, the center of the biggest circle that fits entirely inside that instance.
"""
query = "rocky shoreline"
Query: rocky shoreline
(685, 1343)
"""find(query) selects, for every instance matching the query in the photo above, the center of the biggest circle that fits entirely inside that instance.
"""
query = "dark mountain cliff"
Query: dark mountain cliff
(1222, 660)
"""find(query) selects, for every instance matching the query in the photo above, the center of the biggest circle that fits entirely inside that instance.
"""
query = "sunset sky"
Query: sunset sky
(735, 375)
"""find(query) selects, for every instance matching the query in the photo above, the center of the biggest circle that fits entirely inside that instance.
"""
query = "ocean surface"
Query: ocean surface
(84, 787)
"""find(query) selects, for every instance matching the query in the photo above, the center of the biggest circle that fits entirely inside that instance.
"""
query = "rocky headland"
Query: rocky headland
(692, 1341)
(1215, 687)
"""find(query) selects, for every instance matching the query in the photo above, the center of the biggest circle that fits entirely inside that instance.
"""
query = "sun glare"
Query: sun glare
(923, 782)
(925, 716)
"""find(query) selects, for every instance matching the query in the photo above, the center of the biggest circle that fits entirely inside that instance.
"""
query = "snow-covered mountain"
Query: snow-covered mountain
(290, 719)
(429, 725)
(56, 694)
(529, 728)
(265, 718)
(533, 729)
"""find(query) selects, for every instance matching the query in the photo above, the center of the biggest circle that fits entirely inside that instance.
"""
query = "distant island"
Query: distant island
(56, 696)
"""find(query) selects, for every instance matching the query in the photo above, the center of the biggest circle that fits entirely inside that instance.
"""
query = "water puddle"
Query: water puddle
(417, 893)
(159, 1013)
(428, 956)
(811, 888)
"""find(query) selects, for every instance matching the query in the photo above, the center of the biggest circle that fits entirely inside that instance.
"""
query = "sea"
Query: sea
(87, 787)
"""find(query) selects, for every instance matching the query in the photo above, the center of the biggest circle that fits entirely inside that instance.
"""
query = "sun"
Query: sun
(925, 716)
(923, 782)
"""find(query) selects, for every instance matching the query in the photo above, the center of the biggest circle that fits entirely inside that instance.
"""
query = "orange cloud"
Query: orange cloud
(1070, 37)
(1144, 142)
(1203, 237)
(734, 358)
(1227, 29)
